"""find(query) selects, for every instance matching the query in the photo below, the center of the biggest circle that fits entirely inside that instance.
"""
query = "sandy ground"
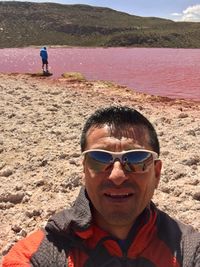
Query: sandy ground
(40, 161)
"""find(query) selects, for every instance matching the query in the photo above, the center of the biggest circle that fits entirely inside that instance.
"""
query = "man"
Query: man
(113, 222)
(44, 56)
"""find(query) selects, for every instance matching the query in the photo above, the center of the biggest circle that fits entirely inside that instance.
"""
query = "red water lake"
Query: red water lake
(159, 71)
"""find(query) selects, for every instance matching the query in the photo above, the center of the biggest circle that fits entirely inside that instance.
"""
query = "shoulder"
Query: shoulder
(23, 250)
(177, 232)
(165, 221)
(191, 248)
(38, 249)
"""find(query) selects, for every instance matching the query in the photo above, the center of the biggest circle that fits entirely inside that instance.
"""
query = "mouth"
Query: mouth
(118, 196)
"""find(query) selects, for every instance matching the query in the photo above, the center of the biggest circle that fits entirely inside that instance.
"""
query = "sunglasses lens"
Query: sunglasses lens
(137, 156)
(137, 161)
(103, 157)
(98, 160)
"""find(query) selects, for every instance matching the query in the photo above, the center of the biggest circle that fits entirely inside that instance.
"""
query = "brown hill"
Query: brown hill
(25, 23)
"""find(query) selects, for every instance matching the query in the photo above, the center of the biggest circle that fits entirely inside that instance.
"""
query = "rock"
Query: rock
(2, 165)
(73, 161)
(16, 228)
(6, 172)
(33, 213)
(196, 196)
(191, 132)
(7, 248)
(14, 198)
(192, 161)
(183, 115)
(71, 182)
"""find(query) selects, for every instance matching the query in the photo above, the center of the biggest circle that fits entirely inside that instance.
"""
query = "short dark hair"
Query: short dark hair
(119, 116)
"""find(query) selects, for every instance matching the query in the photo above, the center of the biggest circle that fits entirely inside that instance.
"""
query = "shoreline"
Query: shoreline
(40, 167)
(74, 78)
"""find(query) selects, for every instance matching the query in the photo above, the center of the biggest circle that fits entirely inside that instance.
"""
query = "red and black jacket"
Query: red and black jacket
(71, 239)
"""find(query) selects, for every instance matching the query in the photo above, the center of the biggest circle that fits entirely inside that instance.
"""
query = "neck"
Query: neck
(116, 230)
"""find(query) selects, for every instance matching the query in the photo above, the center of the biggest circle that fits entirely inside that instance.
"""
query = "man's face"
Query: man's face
(119, 196)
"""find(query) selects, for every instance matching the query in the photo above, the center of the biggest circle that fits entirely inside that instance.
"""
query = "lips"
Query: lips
(118, 195)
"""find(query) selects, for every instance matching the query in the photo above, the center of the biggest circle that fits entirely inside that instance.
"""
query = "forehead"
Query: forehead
(128, 136)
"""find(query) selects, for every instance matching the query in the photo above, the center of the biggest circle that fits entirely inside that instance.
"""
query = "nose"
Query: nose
(117, 174)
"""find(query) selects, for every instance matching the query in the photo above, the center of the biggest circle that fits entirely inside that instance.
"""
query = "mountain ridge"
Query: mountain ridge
(29, 23)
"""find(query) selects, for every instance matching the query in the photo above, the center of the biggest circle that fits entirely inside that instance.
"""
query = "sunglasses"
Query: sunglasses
(137, 160)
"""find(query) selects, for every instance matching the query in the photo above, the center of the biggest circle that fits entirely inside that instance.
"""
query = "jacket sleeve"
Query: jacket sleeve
(197, 257)
(191, 249)
(21, 253)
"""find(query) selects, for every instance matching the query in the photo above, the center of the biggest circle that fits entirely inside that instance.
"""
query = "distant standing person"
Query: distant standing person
(44, 56)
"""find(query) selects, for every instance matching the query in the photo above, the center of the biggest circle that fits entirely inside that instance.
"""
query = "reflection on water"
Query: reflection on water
(168, 72)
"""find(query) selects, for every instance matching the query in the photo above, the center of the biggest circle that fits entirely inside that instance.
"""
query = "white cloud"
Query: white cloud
(176, 14)
(192, 13)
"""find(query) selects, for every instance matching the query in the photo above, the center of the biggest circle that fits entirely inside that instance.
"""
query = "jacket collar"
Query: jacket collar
(76, 218)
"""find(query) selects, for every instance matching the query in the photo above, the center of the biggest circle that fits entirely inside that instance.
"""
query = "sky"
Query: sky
(177, 10)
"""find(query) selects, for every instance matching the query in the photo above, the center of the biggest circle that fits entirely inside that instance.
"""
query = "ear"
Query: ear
(157, 168)
(83, 173)
(83, 179)
(83, 164)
